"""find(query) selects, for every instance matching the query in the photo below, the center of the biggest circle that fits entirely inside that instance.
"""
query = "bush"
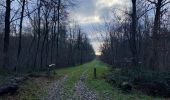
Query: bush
(155, 83)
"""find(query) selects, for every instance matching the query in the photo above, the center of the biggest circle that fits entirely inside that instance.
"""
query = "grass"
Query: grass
(98, 85)
(32, 88)
(29, 91)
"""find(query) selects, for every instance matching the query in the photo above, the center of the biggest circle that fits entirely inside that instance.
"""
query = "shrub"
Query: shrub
(155, 83)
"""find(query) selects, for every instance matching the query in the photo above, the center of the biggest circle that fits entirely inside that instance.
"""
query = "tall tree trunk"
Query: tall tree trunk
(58, 29)
(133, 34)
(7, 33)
(45, 38)
(53, 35)
(155, 35)
(39, 32)
(20, 32)
(47, 44)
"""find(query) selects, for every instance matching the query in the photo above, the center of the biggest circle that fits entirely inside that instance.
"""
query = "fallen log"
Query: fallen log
(8, 88)
(11, 85)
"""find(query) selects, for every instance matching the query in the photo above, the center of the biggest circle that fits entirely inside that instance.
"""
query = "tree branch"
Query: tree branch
(153, 2)
(24, 15)
(165, 3)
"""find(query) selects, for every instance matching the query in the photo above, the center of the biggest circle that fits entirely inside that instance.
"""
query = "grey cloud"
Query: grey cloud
(88, 9)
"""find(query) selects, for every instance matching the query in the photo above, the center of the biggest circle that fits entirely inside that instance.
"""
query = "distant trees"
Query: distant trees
(40, 34)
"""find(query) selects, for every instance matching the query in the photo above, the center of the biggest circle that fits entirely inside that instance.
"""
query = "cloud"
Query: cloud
(107, 3)
(92, 12)
(88, 19)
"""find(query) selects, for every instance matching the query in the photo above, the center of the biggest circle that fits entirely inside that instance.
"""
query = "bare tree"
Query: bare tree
(7, 33)
(133, 35)
(159, 4)
(20, 29)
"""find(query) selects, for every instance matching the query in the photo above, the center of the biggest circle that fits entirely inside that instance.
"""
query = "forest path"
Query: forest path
(82, 92)
(57, 90)
(78, 83)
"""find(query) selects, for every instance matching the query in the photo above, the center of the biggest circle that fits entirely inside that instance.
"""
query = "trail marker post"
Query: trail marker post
(95, 76)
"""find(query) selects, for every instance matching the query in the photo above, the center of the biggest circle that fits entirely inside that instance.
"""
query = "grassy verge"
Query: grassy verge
(104, 89)
(99, 85)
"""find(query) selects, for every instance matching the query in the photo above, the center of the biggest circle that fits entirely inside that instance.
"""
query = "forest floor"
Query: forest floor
(75, 83)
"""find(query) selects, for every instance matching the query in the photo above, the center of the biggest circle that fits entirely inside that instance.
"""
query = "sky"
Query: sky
(90, 13)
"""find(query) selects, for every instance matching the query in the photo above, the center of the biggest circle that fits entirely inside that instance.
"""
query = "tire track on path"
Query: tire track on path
(55, 90)
(82, 92)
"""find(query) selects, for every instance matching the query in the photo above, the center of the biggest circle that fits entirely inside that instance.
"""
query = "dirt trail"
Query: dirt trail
(55, 90)
(82, 92)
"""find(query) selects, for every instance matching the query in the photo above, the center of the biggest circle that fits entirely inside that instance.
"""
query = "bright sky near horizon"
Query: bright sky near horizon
(92, 12)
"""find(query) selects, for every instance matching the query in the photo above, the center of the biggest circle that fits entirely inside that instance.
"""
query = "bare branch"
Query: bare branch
(2, 5)
(165, 3)
(24, 15)
(153, 2)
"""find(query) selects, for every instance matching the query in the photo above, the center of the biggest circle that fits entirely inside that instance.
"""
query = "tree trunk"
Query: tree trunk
(39, 31)
(20, 35)
(155, 35)
(45, 38)
(20, 30)
(58, 29)
(133, 35)
(7, 34)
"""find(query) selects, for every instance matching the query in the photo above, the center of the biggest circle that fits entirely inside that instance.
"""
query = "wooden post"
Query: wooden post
(48, 71)
(95, 76)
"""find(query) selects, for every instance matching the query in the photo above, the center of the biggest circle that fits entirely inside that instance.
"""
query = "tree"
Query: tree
(7, 33)
(45, 38)
(39, 31)
(58, 28)
(159, 4)
(133, 34)
(20, 29)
